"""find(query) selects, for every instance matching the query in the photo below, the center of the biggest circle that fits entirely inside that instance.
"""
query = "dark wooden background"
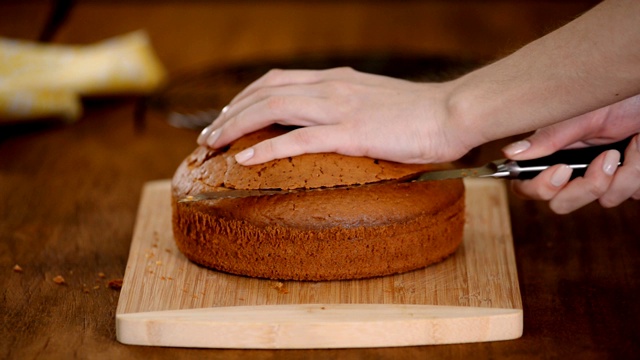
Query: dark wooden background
(69, 193)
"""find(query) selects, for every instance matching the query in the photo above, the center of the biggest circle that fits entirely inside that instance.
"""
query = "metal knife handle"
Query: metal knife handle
(577, 159)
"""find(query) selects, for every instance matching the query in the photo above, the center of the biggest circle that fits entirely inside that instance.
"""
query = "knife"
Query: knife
(576, 159)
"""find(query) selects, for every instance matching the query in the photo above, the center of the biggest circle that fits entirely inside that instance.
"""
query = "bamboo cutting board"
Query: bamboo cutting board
(472, 296)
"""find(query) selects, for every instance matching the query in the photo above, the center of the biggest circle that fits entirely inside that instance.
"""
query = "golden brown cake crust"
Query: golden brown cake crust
(328, 234)
(207, 170)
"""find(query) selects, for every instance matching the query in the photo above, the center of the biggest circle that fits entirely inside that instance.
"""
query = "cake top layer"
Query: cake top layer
(209, 170)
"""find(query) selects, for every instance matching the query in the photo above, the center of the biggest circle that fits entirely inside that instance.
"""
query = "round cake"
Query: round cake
(342, 224)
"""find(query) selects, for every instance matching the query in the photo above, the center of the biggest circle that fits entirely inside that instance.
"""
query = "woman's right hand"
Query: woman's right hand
(603, 181)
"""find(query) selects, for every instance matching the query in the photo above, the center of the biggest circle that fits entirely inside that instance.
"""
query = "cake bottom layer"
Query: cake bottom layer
(335, 253)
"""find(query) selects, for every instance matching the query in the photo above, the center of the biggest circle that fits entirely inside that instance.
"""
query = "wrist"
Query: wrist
(464, 114)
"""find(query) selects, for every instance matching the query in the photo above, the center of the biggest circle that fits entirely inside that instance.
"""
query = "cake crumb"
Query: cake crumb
(115, 284)
(59, 280)
(17, 268)
(158, 262)
(280, 287)
(101, 275)
(96, 287)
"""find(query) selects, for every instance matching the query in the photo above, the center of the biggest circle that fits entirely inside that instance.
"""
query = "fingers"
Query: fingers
(584, 190)
(269, 105)
(603, 181)
(601, 126)
(544, 186)
(565, 196)
(280, 100)
(626, 182)
(290, 110)
(278, 77)
(280, 94)
(550, 139)
(315, 139)
(286, 80)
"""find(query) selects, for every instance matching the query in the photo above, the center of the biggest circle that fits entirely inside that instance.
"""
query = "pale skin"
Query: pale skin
(577, 86)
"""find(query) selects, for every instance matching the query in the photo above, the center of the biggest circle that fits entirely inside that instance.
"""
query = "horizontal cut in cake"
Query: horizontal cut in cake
(351, 232)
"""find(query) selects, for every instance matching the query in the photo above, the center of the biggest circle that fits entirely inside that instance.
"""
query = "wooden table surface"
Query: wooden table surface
(69, 193)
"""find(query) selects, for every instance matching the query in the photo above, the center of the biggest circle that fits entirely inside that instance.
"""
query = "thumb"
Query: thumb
(547, 140)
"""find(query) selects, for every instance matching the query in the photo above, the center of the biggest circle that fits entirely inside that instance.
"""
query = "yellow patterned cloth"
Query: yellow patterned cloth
(47, 80)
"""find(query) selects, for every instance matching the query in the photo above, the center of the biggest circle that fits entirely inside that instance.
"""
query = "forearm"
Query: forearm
(591, 62)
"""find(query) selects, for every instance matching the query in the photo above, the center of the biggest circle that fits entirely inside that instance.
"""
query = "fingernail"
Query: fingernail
(244, 155)
(204, 134)
(561, 176)
(516, 147)
(610, 163)
(213, 137)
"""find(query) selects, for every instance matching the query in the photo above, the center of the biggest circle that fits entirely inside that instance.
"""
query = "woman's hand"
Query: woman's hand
(604, 180)
(343, 111)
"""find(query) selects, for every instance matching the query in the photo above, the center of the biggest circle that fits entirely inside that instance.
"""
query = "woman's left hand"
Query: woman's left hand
(343, 111)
